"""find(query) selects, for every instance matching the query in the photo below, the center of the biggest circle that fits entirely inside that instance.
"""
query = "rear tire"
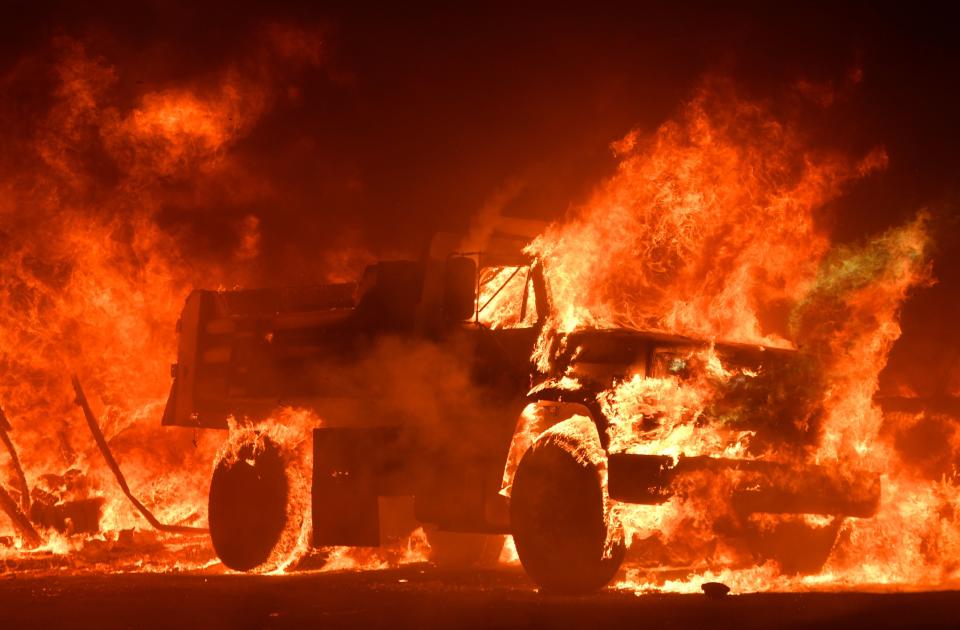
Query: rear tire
(248, 504)
(558, 511)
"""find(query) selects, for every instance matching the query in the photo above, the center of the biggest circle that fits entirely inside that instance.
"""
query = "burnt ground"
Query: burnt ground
(423, 597)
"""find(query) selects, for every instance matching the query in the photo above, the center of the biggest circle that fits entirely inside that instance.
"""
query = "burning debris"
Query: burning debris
(115, 469)
(14, 511)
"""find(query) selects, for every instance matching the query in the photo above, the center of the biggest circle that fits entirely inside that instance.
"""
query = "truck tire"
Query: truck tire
(248, 504)
(558, 511)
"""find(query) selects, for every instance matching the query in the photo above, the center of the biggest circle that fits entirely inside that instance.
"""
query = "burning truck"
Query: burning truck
(508, 430)
(688, 370)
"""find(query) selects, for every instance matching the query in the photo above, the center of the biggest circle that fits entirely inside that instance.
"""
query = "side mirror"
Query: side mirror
(459, 288)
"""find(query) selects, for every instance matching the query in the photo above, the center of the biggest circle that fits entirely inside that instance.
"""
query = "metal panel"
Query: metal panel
(762, 486)
(352, 467)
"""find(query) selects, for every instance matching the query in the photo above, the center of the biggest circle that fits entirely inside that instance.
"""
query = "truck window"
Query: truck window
(500, 300)
(672, 362)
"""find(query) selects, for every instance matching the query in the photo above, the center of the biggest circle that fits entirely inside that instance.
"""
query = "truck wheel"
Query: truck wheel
(558, 513)
(248, 503)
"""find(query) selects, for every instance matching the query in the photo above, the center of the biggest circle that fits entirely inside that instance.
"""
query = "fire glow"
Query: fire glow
(708, 229)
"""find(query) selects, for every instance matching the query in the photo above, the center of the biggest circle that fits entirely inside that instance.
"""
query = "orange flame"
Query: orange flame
(708, 228)
(91, 284)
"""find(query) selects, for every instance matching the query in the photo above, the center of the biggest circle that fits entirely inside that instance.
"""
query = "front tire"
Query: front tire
(558, 511)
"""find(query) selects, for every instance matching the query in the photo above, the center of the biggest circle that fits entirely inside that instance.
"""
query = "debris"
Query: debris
(20, 522)
(118, 474)
(5, 428)
(69, 517)
(714, 590)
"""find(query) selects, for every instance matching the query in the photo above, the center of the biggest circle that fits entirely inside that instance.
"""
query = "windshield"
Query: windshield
(506, 297)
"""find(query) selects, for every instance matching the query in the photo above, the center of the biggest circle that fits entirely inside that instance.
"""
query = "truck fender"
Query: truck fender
(538, 416)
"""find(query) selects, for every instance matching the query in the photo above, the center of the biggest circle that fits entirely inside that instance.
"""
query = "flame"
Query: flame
(92, 284)
(707, 224)
(503, 292)
(709, 229)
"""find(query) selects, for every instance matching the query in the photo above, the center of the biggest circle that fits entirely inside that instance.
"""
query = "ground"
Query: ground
(421, 596)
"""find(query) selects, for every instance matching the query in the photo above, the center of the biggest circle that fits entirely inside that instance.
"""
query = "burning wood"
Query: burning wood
(24, 488)
(16, 513)
(118, 474)
(20, 522)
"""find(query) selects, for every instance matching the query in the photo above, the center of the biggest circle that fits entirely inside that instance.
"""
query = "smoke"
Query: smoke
(485, 219)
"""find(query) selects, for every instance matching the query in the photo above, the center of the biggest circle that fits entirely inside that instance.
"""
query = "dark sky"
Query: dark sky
(423, 112)
(419, 114)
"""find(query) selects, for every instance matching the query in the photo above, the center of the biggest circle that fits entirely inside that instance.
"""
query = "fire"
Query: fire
(710, 219)
(501, 288)
(708, 228)
(92, 285)
(677, 408)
